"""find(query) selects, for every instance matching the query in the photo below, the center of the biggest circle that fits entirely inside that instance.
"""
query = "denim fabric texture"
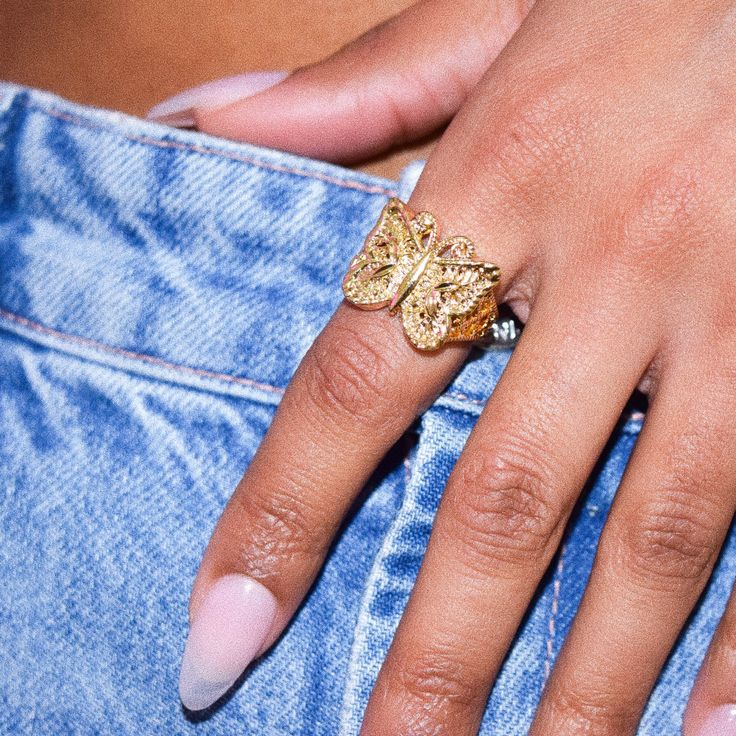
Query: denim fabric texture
(157, 290)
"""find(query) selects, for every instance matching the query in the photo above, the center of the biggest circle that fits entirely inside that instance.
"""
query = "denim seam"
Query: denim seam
(179, 372)
(165, 365)
(552, 625)
(345, 718)
(206, 151)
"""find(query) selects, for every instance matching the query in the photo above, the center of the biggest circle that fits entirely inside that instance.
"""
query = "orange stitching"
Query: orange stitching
(200, 372)
(553, 616)
(151, 359)
(144, 357)
(148, 141)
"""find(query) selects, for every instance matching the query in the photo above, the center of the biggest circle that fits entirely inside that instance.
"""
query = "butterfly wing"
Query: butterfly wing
(388, 254)
(450, 291)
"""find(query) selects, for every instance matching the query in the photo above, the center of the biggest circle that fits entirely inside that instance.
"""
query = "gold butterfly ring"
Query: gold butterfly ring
(442, 292)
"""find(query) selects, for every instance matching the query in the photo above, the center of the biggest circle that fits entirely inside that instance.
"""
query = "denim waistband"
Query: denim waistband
(176, 252)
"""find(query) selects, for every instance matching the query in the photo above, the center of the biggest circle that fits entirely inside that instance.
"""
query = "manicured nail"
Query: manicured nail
(228, 629)
(178, 110)
(720, 722)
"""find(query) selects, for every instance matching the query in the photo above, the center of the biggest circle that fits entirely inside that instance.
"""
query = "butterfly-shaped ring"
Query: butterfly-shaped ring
(441, 292)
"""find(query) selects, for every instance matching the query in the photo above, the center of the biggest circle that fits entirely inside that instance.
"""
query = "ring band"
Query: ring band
(441, 291)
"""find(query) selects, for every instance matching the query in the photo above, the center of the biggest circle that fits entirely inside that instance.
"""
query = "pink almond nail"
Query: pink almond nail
(230, 626)
(179, 109)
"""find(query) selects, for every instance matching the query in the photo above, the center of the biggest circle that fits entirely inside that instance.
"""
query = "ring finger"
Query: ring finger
(656, 553)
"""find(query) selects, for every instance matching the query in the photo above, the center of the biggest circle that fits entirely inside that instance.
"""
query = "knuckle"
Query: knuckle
(664, 204)
(504, 507)
(437, 681)
(535, 140)
(281, 527)
(352, 375)
(668, 211)
(589, 711)
(667, 543)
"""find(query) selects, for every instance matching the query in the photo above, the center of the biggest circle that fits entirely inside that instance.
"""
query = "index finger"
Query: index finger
(347, 404)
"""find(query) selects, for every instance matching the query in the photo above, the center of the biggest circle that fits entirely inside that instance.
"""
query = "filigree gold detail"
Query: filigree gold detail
(442, 293)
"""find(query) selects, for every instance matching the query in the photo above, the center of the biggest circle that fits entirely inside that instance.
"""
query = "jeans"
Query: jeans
(157, 291)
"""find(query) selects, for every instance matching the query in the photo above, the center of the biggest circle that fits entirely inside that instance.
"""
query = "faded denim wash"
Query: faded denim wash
(157, 290)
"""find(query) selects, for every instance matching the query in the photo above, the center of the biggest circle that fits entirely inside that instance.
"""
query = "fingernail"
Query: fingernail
(720, 722)
(179, 109)
(229, 627)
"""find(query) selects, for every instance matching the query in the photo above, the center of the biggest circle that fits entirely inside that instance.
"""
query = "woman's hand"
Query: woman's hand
(594, 162)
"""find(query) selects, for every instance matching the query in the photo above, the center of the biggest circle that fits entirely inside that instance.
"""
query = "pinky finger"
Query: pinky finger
(712, 707)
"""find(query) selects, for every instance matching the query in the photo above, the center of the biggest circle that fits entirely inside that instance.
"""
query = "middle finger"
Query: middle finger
(504, 509)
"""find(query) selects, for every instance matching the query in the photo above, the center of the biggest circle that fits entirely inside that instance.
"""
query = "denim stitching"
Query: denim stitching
(167, 365)
(552, 625)
(204, 150)
(122, 352)
(149, 141)
(464, 397)
(96, 345)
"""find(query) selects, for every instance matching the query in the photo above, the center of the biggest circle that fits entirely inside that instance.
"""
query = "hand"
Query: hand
(593, 161)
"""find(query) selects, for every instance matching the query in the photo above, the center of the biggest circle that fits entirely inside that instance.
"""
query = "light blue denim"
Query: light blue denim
(157, 290)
